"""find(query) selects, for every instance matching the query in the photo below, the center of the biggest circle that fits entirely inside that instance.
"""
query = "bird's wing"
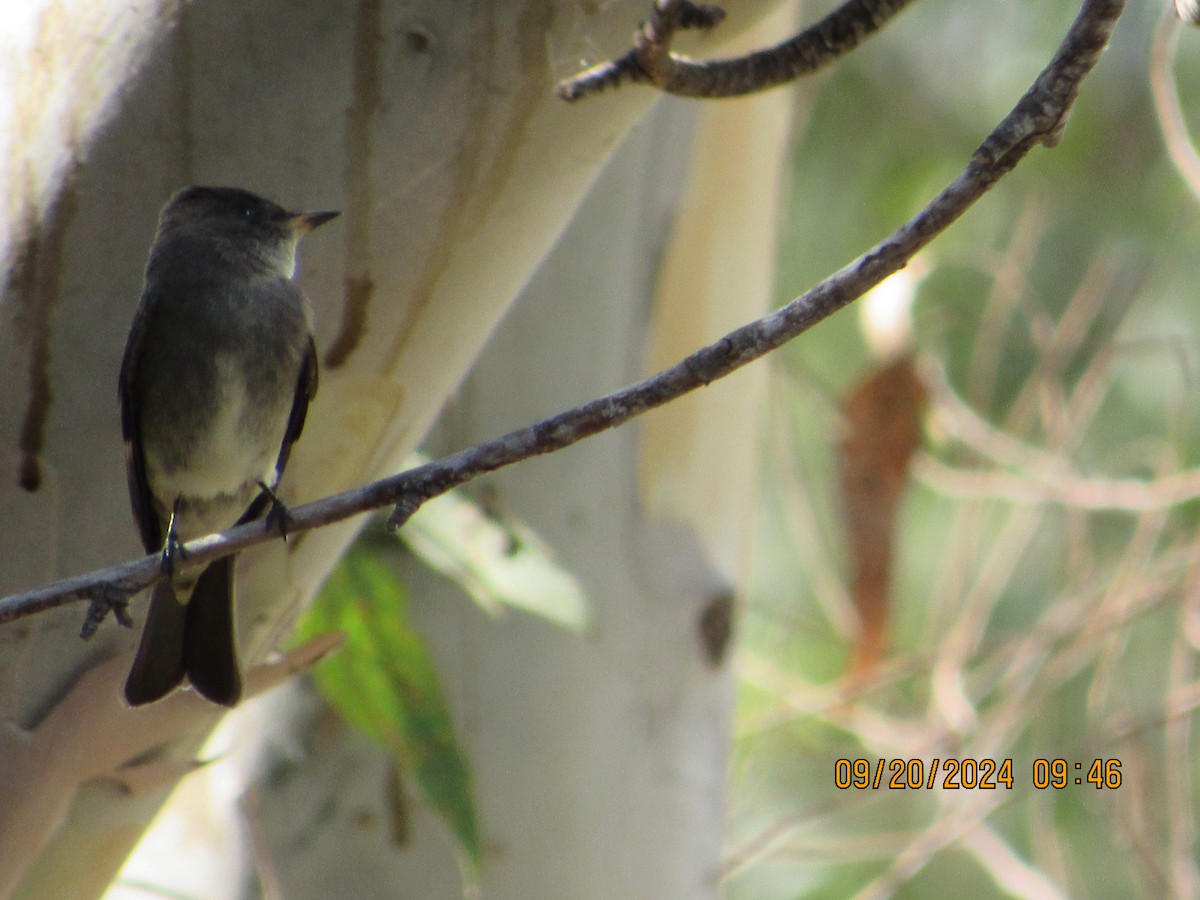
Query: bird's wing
(135, 460)
(306, 389)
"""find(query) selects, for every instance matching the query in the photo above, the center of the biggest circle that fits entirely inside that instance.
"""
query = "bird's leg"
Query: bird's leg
(172, 547)
(278, 515)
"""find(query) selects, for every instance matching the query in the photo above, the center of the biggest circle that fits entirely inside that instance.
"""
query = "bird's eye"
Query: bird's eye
(247, 212)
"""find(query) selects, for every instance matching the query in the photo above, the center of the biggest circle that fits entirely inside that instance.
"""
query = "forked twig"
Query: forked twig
(652, 62)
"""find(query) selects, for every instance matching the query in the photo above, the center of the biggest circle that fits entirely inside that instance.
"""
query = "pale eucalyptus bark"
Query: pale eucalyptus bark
(436, 130)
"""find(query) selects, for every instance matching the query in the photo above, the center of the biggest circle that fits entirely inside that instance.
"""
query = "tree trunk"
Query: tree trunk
(434, 127)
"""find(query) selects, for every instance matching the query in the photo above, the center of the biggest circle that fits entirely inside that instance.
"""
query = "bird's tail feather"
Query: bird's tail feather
(209, 642)
(158, 667)
(195, 638)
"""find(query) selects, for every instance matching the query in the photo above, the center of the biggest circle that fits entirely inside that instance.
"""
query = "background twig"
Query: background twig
(651, 62)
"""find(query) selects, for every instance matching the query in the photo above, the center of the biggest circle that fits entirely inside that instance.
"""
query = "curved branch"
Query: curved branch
(1166, 101)
(651, 62)
(1037, 118)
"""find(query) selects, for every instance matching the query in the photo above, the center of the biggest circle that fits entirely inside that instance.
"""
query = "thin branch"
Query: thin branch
(1166, 100)
(1077, 492)
(651, 62)
(1037, 118)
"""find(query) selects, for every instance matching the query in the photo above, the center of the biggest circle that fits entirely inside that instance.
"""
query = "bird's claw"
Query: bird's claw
(172, 547)
(278, 516)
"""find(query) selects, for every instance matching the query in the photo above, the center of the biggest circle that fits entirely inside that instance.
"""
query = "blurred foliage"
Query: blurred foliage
(384, 682)
(498, 561)
(1045, 595)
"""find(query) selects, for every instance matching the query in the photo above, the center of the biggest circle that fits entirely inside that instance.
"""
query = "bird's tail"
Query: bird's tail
(210, 638)
(158, 667)
(195, 638)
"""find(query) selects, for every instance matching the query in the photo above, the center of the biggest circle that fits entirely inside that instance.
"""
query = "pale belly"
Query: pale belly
(228, 458)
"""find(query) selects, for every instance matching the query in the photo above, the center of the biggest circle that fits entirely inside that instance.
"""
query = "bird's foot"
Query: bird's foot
(278, 516)
(173, 546)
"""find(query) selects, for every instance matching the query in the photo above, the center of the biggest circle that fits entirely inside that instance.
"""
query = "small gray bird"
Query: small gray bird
(218, 373)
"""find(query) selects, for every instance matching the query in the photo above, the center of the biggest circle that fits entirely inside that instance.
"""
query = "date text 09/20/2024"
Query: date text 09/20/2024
(972, 774)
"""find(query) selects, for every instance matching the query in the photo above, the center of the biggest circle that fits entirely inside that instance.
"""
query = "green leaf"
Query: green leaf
(499, 563)
(384, 682)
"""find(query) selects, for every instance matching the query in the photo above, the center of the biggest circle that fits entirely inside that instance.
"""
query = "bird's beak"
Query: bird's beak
(302, 223)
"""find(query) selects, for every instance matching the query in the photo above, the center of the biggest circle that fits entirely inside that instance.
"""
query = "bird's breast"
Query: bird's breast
(221, 449)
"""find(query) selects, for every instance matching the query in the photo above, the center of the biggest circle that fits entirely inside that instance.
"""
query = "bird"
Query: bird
(218, 372)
